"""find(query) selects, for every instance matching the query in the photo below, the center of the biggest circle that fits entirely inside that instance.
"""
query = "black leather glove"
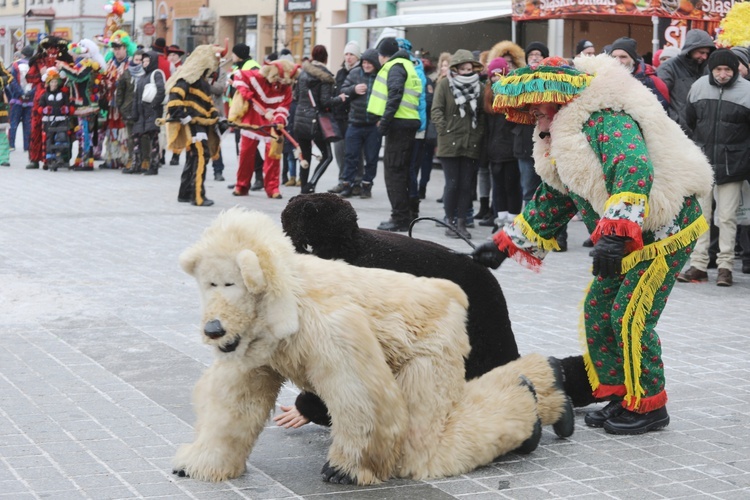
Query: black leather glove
(608, 253)
(489, 255)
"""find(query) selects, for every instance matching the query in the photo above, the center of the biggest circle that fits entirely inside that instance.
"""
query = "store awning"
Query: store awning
(43, 12)
(431, 19)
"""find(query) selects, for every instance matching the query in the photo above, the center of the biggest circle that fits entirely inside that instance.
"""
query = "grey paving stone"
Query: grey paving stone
(100, 348)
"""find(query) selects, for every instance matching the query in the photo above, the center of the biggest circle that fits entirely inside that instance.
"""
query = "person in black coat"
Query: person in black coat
(506, 177)
(314, 85)
(146, 152)
(352, 55)
(362, 135)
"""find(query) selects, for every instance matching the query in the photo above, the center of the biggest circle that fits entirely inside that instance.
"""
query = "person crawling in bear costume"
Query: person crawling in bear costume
(326, 225)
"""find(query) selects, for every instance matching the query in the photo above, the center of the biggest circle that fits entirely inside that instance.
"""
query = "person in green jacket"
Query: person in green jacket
(458, 116)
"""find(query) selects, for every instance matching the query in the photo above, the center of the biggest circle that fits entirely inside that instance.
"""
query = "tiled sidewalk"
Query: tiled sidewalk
(100, 348)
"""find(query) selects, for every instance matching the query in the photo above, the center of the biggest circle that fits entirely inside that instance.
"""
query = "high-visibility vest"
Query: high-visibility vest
(229, 91)
(408, 109)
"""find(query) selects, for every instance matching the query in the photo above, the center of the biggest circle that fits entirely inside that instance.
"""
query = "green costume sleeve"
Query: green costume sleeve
(531, 235)
(628, 173)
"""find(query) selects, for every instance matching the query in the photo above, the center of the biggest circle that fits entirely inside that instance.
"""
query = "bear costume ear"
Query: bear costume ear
(270, 279)
(251, 272)
(189, 260)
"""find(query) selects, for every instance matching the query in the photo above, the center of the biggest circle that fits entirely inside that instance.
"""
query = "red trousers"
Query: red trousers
(248, 146)
(36, 143)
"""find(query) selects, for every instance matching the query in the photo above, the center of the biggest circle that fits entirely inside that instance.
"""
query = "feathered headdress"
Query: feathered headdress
(552, 81)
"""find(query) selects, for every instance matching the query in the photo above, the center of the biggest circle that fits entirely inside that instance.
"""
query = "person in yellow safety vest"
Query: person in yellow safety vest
(242, 61)
(395, 99)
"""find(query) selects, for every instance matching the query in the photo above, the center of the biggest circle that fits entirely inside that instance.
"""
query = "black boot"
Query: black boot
(346, 190)
(413, 208)
(366, 190)
(598, 417)
(532, 442)
(484, 208)
(630, 422)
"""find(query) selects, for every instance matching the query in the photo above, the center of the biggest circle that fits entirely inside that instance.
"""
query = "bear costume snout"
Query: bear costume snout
(213, 329)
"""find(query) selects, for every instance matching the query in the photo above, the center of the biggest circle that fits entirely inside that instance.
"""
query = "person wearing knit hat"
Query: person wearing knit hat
(625, 51)
(242, 51)
(594, 127)
(362, 136)
(717, 116)
(388, 47)
(535, 52)
(668, 52)
(497, 65)
(352, 47)
(395, 99)
(680, 72)
(585, 47)
(744, 57)
(341, 113)
(503, 167)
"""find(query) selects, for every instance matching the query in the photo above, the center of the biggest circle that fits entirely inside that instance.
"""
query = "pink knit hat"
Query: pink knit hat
(497, 65)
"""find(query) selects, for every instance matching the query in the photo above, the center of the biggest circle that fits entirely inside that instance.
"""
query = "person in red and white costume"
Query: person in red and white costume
(266, 94)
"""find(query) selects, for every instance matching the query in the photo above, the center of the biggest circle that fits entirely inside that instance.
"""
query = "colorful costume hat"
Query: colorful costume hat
(552, 81)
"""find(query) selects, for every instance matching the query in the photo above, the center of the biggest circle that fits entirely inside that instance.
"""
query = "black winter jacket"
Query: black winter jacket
(523, 142)
(679, 73)
(499, 138)
(358, 114)
(315, 78)
(718, 120)
(341, 113)
(144, 113)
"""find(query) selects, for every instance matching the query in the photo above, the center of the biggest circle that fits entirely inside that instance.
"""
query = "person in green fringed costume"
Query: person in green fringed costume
(593, 124)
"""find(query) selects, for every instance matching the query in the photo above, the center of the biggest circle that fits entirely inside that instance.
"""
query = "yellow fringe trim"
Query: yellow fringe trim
(628, 197)
(191, 104)
(634, 324)
(666, 246)
(533, 237)
(177, 90)
(590, 370)
(577, 81)
(529, 98)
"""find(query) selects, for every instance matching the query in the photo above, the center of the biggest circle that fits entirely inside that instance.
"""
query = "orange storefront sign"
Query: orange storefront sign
(64, 33)
(696, 10)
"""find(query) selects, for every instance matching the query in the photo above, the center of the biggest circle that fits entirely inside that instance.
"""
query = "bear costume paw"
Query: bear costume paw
(333, 475)
(536, 435)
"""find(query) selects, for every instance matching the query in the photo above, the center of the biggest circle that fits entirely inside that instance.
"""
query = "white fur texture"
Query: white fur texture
(680, 167)
(384, 350)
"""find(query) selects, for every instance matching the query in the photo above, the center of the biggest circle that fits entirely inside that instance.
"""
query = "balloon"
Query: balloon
(108, 9)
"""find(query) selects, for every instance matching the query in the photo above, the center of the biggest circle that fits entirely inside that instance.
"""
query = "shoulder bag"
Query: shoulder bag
(329, 129)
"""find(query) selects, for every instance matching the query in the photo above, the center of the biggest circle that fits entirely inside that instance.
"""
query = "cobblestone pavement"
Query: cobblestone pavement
(100, 348)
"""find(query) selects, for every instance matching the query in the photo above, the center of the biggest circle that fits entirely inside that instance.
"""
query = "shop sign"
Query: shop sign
(696, 10)
(64, 33)
(201, 30)
(32, 34)
(299, 5)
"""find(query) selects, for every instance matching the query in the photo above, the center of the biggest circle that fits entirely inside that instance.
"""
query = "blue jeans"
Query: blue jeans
(20, 114)
(361, 138)
(421, 166)
(530, 180)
